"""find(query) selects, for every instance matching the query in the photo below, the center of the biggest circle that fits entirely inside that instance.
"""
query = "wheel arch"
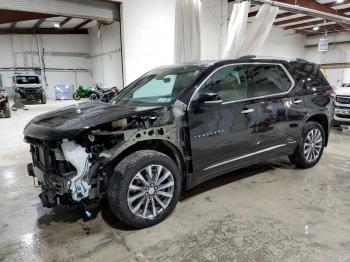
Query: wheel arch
(159, 145)
(322, 119)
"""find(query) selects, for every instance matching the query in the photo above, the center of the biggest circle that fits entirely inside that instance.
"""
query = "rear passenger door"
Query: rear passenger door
(276, 106)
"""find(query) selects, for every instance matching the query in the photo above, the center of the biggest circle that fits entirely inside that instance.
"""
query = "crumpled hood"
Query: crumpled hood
(344, 91)
(69, 121)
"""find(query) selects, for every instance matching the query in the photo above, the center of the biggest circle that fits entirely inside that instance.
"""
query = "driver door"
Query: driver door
(222, 134)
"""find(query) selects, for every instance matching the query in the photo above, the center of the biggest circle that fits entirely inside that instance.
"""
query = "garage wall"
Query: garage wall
(336, 54)
(63, 51)
(148, 35)
(213, 28)
(106, 57)
(283, 43)
(75, 46)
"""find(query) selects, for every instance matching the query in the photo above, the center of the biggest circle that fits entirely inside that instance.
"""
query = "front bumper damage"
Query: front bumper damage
(63, 171)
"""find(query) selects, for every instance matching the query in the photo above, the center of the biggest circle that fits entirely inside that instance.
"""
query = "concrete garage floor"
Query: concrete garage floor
(269, 212)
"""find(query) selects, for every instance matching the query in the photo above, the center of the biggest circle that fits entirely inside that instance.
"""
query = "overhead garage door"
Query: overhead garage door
(97, 10)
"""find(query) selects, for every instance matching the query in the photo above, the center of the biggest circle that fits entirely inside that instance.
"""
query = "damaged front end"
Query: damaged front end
(63, 170)
(76, 168)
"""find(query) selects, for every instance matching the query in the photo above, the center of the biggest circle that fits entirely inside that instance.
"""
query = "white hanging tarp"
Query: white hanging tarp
(236, 29)
(187, 45)
(258, 30)
(244, 39)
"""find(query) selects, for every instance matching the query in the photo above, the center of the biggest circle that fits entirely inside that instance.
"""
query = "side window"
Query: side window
(286, 83)
(269, 80)
(230, 82)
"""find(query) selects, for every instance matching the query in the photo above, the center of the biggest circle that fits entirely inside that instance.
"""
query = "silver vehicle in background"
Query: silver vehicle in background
(29, 87)
(342, 106)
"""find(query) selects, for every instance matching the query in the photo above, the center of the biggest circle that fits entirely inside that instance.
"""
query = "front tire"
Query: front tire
(43, 98)
(76, 96)
(310, 147)
(144, 188)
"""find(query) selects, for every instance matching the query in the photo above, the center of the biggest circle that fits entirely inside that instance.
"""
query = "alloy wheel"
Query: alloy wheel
(150, 191)
(313, 145)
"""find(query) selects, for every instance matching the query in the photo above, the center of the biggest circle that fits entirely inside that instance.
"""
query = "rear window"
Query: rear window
(310, 74)
(21, 80)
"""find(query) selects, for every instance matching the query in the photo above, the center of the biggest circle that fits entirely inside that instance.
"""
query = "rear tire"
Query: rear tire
(93, 97)
(138, 200)
(310, 147)
(7, 110)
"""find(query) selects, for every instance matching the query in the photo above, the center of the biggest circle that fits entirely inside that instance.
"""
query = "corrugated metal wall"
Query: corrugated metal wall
(97, 10)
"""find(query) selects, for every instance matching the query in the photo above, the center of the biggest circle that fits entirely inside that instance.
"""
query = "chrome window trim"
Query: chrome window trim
(243, 156)
(247, 99)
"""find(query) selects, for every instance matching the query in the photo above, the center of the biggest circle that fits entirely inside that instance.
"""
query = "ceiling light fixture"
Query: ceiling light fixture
(340, 1)
(56, 25)
(315, 28)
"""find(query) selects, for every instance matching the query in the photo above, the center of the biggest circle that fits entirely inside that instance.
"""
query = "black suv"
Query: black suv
(175, 127)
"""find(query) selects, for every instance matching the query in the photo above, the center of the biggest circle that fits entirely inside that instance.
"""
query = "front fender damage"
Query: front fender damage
(168, 125)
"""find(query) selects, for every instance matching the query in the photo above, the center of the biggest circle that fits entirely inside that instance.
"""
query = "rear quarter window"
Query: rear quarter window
(311, 75)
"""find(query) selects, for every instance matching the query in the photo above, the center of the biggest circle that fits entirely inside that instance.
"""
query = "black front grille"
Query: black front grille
(343, 99)
(56, 170)
(45, 159)
(41, 157)
(30, 90)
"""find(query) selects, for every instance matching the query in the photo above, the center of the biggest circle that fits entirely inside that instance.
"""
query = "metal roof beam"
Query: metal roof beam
(44, 31)
(310, 8)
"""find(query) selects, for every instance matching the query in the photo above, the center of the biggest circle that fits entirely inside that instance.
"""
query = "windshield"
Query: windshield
(159, 87)
(22, 80)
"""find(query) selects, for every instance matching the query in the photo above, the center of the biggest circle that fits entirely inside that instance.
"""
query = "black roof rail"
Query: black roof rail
(247, 57)
(302, 60)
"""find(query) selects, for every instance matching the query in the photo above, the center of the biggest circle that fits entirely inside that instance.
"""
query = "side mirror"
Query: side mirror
(209, 99)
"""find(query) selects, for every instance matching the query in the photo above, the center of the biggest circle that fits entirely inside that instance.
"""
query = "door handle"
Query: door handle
(297, 101)
(247, 111)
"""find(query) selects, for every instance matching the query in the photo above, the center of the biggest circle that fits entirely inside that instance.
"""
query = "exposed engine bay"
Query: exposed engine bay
(77, 168)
